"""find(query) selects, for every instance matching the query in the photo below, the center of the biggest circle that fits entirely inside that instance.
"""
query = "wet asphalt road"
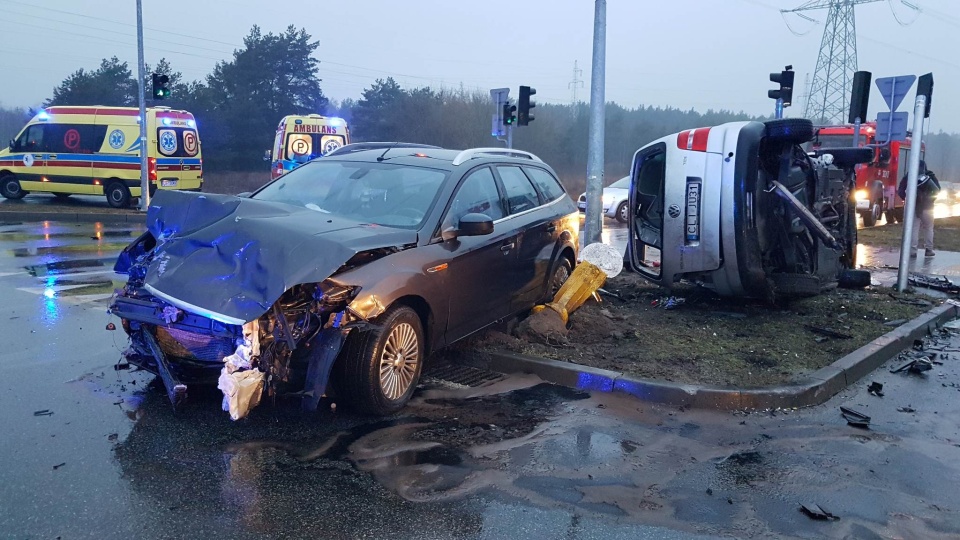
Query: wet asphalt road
(91, 452)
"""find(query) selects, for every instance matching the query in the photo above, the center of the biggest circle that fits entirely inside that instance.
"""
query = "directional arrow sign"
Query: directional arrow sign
(892, 126)
(894, 89)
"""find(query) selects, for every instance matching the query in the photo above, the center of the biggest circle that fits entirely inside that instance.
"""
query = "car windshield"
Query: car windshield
(623, 183)
(381, 193)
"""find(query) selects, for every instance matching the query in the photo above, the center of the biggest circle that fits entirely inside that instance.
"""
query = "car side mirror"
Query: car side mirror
(244, 195)
(13, 145)
(475, 225)
(268, 155)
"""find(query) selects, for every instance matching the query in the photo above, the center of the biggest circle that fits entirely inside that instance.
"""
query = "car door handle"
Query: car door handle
(552, 227)
(507, 247)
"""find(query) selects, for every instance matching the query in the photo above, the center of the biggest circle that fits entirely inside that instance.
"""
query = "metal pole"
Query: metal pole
(910, 204)
(593, 225)
(510, 136)
(141, 75)
(778, 111)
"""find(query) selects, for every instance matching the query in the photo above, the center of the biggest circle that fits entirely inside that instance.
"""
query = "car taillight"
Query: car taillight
(152, 169)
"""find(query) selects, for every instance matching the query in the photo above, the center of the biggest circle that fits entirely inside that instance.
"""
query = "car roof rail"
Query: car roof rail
(473, 153)
(359, 147)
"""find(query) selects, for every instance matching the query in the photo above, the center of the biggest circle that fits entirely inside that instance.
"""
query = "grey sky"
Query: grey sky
(682, 53)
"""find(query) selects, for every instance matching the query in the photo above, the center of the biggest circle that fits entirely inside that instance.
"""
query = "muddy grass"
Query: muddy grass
(946, 235)
(715, 341)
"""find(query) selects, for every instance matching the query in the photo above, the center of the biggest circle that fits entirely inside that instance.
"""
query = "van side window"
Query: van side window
(74, 138)
(31, 140)
(521, 195)
(549, 187)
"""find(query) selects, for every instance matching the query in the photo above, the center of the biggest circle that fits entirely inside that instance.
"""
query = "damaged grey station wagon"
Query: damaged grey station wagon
(351, 270)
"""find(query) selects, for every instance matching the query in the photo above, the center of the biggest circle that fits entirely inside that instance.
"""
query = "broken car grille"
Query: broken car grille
(183, 344)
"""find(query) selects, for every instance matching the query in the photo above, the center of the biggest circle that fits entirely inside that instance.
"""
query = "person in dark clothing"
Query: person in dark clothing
(928, 187)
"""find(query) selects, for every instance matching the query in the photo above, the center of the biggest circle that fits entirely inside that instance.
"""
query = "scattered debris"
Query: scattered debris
(55, 467)
(113, 436)
(121, 366)
(814, 511)
(669, 302)
(917, 366)
(827, 332)
(709, 491)
(952, 325)
(875, 389)
(939, 283)
(906, 409)
(601, 290)
(44, 412)
(111, 326)
(855, 418)
(896, 322)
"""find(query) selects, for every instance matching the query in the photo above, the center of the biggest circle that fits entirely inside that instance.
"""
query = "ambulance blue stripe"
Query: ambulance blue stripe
(105, 158)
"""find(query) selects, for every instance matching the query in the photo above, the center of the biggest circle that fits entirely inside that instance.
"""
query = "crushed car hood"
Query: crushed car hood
(231, 258)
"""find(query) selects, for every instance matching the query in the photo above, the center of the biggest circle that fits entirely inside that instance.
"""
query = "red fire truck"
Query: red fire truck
(877, 181)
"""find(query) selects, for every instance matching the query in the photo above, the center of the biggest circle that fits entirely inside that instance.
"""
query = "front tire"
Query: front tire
(622, 212)
(118, 196)
(10, 188)
(873, 216)
(382, 366)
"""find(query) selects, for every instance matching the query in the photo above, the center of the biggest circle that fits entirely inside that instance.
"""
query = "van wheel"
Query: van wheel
(10, 187)
(118, 196)
(381, 367)
(872, 216)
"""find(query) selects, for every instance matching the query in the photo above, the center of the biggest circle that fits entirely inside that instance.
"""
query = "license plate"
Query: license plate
(168, 183)
(693, 210)
(582, 206)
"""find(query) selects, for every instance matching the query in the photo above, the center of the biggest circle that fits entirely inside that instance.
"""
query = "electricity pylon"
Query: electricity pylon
(829, 96)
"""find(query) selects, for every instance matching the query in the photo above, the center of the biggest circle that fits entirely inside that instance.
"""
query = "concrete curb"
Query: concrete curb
(73, 217)
(817, 388)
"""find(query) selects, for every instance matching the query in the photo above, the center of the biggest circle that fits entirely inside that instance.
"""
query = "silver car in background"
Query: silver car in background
(614, 200)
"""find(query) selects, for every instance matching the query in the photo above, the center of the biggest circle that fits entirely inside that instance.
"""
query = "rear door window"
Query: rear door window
(521, 196)
(177, 142)
(549, 187)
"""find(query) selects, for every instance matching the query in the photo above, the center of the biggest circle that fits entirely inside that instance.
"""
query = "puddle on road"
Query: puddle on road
(70, 266)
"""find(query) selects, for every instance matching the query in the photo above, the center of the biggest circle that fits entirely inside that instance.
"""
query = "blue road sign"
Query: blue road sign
(892, 126)
(894, 89)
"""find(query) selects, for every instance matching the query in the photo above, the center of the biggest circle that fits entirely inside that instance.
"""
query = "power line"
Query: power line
(575, 83)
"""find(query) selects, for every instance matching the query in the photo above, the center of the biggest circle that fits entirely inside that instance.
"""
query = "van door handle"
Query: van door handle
(52, 156)
(552, 227)
(507, 247)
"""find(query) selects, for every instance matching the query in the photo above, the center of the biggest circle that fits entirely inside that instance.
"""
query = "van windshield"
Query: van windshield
(380, 193)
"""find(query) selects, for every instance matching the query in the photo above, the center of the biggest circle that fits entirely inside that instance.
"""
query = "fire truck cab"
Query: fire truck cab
(876, 190)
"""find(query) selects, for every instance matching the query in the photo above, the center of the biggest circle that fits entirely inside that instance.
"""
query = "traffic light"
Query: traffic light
(785, 92)
(509, 113)
(161, 86)
(523, 115)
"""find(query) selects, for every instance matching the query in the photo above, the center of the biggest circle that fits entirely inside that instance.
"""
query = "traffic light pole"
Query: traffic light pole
(141, 75)
(510, 137)
(910, 203)
(778, 111)
(593, 223)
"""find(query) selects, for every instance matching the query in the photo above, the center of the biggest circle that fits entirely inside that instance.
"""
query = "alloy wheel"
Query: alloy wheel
(398, 361)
